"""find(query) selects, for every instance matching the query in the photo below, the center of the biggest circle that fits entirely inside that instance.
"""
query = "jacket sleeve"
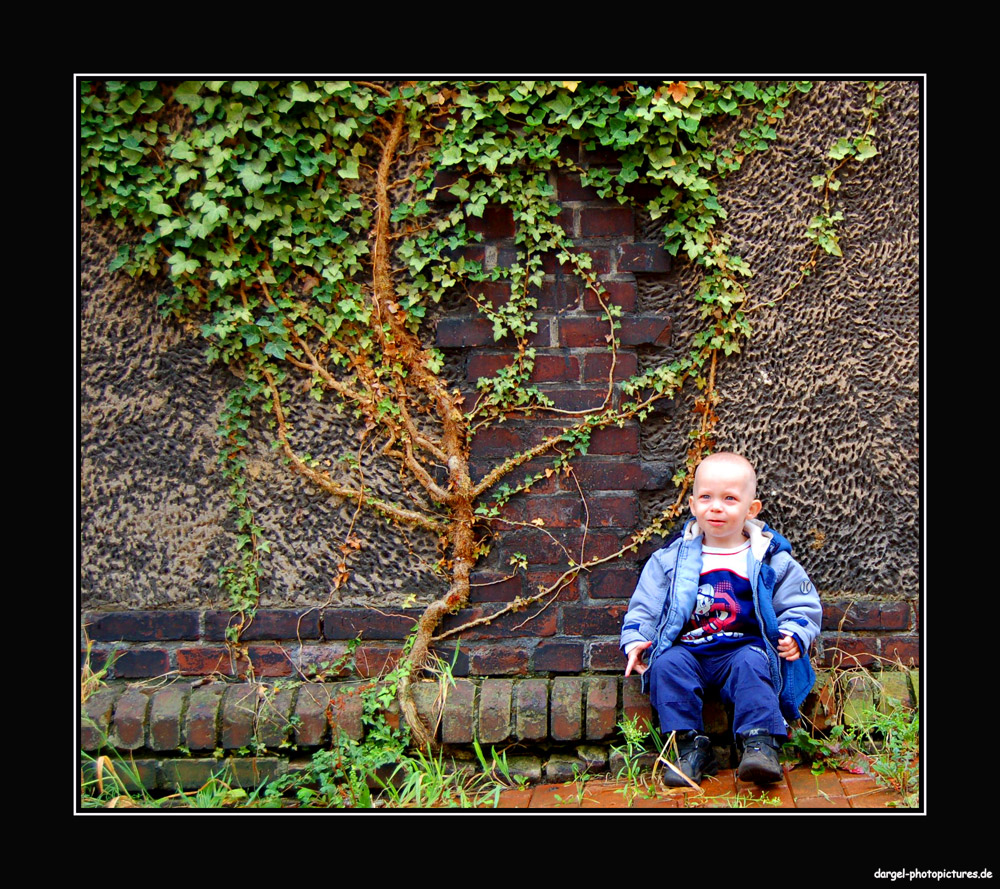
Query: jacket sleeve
(645, 608)
(796, 602)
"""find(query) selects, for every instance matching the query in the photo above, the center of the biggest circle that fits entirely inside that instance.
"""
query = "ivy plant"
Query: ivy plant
(307, 231)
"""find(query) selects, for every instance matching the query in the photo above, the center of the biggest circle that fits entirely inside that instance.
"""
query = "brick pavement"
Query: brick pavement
(800, 789)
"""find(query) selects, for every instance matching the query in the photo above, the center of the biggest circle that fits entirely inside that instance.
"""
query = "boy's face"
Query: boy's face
(722, 500)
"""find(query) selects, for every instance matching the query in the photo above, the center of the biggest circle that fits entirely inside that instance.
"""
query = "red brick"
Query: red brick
(577, 399)
(558, 657)
(620, 475)
(370, 661)
(273, 722)
(478, 469)
(619, 293)
(903, 648)
(531, 701)
(325, 661)
(541, 549)
(204, 661)
(597, 365)
(503, 440)
(129, 727)
(493, 293)
(496, 222)
(95, 718)
(495, 710)
(635, 703)
(487, 364)
(638, 330)
(849, 652)
(498, 661)
(569, 590)
(555, 368)
(457, 722)
(239, 715)
(201, 720)
(613, 510)
(601, 707)
(601, 222)
(643, 257)
(555, 511)
(458, 333)
(606, 656)
(581, 332)
(866, 615)
(492, 587)
(165, 708)
(368, 623)
(310, 708)
(568, 188)
(503, 626)
(612, 583)
(566, 709)
(141, 663)
(557, 293)
(615, 441)
(269, 623)
(590, 620)
(346, 708)
(141, 626)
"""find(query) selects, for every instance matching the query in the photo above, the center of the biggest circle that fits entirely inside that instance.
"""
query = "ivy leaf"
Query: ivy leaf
(678, 90)
(187, 94)
(119, 260)
(866, 149)
(182, 265)
(253, 180)
(277, 348)
(349, 169)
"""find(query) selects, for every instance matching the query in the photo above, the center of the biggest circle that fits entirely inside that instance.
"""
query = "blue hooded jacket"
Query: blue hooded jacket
(784, 599)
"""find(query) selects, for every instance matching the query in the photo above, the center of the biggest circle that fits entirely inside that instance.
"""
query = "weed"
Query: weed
(632, 752)
(111, 783)
(882, 742)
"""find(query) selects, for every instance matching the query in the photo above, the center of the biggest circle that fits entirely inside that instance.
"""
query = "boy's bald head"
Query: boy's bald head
(736, 461)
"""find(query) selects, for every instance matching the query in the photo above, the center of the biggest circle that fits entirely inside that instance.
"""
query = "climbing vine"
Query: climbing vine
(310, 230)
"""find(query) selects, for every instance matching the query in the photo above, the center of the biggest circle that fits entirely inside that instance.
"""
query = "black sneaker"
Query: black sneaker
(695, 758)
(760, 758)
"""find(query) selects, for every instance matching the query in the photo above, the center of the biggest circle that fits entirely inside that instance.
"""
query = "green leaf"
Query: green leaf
(349, 169)
(866, 149)
(187, 94)
(119, 260)
(277, 348)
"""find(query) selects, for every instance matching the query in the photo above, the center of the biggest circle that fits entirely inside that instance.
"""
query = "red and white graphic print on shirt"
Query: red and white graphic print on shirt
(723, 612)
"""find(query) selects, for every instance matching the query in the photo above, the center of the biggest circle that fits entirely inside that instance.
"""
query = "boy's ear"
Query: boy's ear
(754, 508)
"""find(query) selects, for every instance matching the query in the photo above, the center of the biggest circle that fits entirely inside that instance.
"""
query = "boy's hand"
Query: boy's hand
(788, 648)
(634, 662)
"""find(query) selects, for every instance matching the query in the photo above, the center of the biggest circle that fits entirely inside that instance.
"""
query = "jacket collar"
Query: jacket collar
(758, 532)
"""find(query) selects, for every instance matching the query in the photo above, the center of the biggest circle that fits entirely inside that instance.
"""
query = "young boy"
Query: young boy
(724, 605)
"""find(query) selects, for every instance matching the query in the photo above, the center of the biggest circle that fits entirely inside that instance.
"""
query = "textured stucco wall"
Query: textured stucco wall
(824, 400)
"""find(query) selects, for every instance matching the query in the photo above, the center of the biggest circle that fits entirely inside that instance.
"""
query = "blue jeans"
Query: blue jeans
(679, 677)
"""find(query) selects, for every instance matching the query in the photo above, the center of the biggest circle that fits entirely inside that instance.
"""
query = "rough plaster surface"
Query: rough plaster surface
(824, 401)
(155, 521)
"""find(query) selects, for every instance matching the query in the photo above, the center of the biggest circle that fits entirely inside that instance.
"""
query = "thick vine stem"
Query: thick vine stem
(399, 344)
